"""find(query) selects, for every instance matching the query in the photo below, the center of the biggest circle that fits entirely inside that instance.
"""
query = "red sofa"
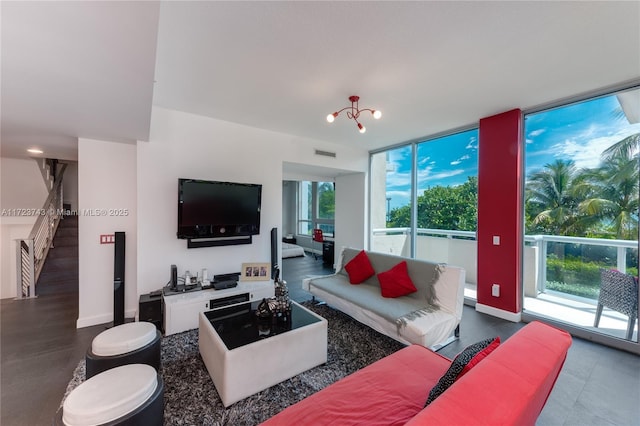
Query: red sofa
(509, 387)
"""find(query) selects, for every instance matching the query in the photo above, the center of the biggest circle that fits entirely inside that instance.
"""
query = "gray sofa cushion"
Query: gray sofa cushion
(368, 297)
(423, 274)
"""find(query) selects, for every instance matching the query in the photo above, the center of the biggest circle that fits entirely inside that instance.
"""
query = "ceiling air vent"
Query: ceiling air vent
(326, 153)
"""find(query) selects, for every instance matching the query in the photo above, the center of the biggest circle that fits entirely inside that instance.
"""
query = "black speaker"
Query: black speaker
(118, 279)
(150, 309)
(174, 277)
(274, 251)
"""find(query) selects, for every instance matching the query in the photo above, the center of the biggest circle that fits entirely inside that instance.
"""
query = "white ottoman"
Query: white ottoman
(127, 395)
(130, 343)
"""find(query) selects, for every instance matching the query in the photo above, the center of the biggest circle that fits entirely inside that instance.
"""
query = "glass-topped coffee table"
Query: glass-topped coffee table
(245, 355)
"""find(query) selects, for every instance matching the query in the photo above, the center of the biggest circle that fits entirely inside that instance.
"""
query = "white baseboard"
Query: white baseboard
(506, 315)
(102, 319)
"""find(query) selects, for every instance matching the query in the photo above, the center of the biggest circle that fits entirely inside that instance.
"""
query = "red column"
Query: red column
(500, 210)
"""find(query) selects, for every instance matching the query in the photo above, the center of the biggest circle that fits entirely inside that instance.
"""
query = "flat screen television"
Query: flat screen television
(210, 209)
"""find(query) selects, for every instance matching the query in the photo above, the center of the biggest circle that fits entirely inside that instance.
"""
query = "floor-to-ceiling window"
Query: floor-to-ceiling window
(424, 201)
(316, 208)
(391, 200)
(581, 213)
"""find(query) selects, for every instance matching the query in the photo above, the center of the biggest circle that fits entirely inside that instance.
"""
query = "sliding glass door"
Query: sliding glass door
(581, 214)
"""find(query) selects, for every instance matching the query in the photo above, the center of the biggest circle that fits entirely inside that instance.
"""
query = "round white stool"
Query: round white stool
(127, 395)
(130, 343)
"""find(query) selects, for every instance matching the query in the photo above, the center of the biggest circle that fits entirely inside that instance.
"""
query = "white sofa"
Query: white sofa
(430, 327)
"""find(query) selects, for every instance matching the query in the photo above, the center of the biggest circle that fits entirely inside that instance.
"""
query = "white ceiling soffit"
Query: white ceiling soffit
(429, 66)
(76, 69)
(86, 69)
(630, 104)
(299, 172)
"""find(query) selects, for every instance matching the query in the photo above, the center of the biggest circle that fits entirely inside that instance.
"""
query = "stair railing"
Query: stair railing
(31, 252)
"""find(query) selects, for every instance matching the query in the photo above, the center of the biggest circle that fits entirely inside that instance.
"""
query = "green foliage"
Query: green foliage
(589, 292)
(442, 207)
(574, 275)
(326, 201)
(574, 270)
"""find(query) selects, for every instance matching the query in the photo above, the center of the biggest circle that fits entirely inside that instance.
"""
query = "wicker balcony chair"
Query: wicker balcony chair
(618, 291)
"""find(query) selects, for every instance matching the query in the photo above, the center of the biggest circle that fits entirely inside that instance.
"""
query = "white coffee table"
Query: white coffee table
(242, 360)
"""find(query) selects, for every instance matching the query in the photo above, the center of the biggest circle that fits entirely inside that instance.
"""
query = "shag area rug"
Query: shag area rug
(191, 398)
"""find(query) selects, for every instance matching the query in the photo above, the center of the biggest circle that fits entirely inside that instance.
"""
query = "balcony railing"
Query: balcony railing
(459, 248)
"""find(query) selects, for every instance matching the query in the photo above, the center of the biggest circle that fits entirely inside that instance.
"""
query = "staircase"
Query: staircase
(31, 252)
(60, 271)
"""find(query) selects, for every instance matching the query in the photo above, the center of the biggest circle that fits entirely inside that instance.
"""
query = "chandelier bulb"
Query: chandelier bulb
(353, 112)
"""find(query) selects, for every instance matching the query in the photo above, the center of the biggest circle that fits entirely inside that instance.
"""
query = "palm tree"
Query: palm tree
(615, 186)
(629, 146)
(553, 195)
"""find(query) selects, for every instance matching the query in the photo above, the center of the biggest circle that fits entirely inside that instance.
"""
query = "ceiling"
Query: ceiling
(95, 69)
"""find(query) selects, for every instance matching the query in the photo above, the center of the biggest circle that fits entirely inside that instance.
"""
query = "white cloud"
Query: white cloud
(586, 150)
(538, 132)
(397, 179)
(424, 179)
(473, 143)
(459, 160)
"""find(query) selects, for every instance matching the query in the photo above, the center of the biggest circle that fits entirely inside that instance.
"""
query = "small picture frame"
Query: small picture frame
(255, 272)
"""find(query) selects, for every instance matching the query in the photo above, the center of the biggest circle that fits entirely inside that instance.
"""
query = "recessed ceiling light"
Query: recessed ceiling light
(35, 151)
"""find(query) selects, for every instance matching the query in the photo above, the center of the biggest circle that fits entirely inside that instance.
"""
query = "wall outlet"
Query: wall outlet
(496, 240)
(107, 239)
(495, 290)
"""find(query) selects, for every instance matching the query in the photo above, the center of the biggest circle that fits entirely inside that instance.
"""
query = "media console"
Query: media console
(181, 309)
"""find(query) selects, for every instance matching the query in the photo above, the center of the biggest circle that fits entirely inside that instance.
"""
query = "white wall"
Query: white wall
(189, 146)
(350, 222)
(106, 181)
(22, 184)
(21, 187)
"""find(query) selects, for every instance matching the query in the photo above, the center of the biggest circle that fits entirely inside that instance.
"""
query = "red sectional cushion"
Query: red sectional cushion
(521, 373)
(386, 393)
(396, 281)
(359, 268)
(479, 357)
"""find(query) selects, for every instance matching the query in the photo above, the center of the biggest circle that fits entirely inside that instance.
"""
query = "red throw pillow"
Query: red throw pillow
(480, 356)
(396, 281)
(359, 268)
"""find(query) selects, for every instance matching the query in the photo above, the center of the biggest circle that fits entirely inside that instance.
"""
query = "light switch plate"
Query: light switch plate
(495, 290)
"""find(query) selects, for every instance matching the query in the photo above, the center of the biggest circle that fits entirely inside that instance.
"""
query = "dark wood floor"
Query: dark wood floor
(39, 343)
(40, 347)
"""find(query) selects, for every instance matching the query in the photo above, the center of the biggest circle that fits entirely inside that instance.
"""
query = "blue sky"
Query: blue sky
(578, 131)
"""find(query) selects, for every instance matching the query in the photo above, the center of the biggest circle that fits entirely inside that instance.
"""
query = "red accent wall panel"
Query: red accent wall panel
(500, 209)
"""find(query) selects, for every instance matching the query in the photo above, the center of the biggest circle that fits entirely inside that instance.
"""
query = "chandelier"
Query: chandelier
(353, 112)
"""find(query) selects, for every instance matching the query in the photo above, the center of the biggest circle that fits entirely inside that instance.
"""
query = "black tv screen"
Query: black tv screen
(208, 209)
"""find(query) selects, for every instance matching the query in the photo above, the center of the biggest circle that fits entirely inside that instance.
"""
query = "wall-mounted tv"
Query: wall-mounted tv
(211, 209)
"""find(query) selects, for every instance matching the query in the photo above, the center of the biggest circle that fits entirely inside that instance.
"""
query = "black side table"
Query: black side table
(328, 252)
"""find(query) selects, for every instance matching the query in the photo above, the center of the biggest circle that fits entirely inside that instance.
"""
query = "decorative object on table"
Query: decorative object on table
(264, 312)
(255, 272)
(282, 311)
